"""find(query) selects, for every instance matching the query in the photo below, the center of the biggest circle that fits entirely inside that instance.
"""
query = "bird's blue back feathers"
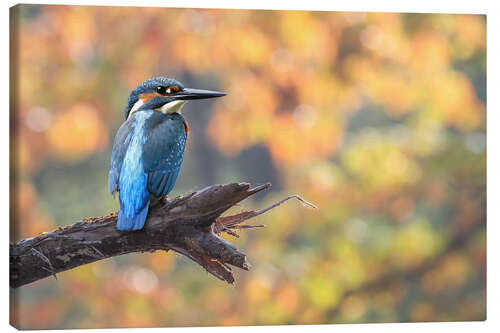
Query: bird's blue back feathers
(134, 197)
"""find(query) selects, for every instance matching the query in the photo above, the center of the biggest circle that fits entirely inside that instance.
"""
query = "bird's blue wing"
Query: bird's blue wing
(161, 182)
(163, 152)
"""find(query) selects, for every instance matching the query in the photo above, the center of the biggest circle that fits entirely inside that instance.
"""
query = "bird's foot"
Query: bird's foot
(164, 199)
(155, 201)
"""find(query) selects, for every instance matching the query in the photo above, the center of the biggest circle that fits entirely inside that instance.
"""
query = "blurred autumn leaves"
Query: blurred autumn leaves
(377, 118)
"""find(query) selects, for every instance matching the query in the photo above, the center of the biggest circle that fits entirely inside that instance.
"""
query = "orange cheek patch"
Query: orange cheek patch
(186, 127)
(148, 96)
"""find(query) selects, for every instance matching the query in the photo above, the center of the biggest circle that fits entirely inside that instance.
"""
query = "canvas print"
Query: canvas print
(215, 167)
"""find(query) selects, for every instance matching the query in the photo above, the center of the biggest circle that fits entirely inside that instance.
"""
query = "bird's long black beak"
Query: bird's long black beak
(188, 93)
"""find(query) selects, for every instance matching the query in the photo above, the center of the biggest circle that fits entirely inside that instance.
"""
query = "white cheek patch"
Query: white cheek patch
(136, 106)
(174, 106)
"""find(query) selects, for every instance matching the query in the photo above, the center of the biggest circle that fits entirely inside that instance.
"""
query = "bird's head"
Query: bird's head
(165, 95)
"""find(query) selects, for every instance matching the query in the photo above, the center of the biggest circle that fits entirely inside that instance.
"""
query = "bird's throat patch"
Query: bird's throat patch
(171, 107)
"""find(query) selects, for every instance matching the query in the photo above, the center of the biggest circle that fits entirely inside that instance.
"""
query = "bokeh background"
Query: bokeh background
(377, 118)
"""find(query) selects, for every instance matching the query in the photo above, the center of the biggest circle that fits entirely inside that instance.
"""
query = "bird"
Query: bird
(149, 147)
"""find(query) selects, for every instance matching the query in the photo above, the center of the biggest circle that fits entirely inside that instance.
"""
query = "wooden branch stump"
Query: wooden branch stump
(188, 225)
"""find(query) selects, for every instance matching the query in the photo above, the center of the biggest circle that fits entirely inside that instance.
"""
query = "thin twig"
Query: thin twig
(226, 223)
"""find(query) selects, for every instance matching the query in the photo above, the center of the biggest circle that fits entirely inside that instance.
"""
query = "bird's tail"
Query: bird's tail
(135, 222)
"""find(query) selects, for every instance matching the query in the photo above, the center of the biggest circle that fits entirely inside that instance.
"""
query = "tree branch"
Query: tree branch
(188, 225)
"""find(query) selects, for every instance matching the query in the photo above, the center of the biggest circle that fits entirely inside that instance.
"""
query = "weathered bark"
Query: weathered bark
(188, 225)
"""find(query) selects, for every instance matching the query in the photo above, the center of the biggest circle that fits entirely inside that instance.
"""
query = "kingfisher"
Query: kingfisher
(149, 147)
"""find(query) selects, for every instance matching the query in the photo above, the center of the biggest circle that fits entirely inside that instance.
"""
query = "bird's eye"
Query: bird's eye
(161, 90)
